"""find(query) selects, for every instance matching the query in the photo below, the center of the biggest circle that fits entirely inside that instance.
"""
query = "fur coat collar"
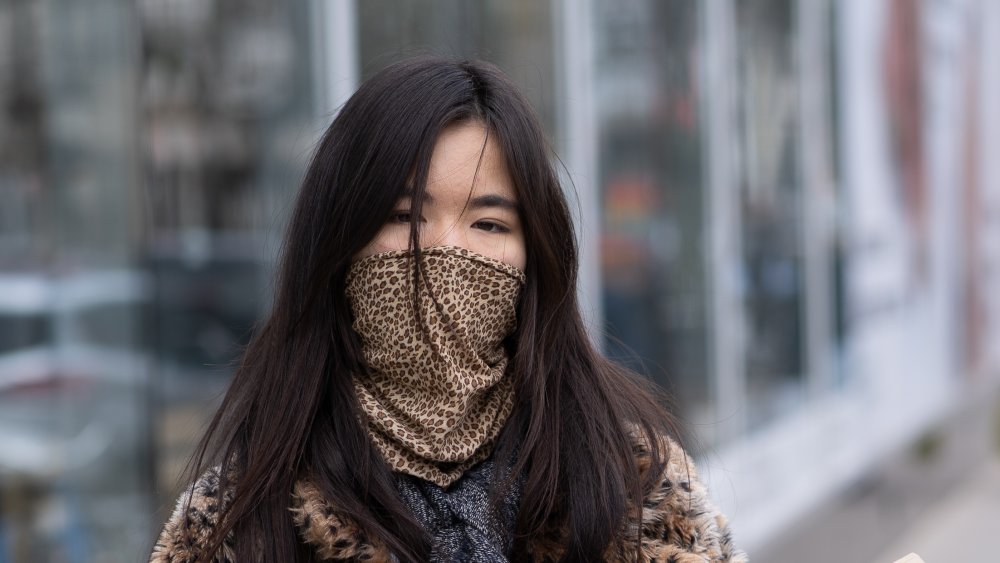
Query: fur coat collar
(679, 524)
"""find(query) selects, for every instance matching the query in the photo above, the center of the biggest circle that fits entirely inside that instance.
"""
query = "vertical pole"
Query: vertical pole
(573, 39)
(335, 54)
(723, 222)
(817, 193)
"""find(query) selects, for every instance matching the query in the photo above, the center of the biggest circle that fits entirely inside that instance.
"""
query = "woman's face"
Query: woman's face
(485, 221)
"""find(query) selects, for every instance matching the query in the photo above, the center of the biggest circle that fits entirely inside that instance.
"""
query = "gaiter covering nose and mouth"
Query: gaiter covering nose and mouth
(436, 399)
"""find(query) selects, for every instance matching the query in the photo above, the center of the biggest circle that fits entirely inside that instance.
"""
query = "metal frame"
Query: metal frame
(818, 191)
(574, 57)
(723, 221)
(335, 61)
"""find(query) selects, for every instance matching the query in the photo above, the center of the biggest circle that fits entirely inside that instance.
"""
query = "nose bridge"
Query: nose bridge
(447, 232)
(452, 235)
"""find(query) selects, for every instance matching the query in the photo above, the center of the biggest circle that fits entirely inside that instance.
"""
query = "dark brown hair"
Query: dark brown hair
(291, 409)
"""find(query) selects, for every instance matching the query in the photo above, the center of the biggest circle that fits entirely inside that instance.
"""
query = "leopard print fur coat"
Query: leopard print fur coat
(679, 524)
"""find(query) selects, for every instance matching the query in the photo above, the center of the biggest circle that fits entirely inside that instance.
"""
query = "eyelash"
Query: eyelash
(499, 228)
(397, 214)
(493, 227)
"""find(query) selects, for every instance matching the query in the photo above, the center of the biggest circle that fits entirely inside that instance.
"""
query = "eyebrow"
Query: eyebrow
(478, 202)
(492, 200)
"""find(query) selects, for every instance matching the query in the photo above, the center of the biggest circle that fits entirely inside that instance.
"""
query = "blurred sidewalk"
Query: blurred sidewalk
(939, 497)
(963, 526)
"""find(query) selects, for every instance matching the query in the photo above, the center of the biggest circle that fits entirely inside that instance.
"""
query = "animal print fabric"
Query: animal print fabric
(678, 523)
(436, 393)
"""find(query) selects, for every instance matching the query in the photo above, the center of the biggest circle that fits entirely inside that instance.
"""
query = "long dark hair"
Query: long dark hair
(291, 411)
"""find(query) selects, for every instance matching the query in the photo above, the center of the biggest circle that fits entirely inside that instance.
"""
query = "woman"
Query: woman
(423, 388)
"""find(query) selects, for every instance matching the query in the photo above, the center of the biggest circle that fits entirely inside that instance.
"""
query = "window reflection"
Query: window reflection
(227, 119)
(771, 200)
(652, 195)
(147, 153)
(516, 35)
(72, 428)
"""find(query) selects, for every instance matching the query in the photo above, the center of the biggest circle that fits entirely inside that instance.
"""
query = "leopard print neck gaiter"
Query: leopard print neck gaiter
(435, 399)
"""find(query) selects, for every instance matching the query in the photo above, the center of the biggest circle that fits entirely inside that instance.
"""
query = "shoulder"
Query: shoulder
(679, 520)
(332, 534)
(186, 533)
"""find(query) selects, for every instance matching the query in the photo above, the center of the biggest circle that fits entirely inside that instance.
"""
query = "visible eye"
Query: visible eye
(491, 227)
(402, 216)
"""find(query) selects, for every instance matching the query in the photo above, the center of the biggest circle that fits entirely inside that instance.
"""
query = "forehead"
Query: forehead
(457, 153)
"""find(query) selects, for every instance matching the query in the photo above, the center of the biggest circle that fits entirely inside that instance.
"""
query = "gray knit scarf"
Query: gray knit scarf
(461, 517)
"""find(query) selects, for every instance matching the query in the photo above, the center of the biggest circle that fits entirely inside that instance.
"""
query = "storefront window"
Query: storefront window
(72, 371)
(653, 200)
(516, 35)
(228, 120)
(148, 154)
(771, 203)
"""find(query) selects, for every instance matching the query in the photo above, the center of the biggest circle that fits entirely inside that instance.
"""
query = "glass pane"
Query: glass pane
(516, 35)
(228, 121)
(72, 370)
(148, 151)
(771, 205)
(652, 194)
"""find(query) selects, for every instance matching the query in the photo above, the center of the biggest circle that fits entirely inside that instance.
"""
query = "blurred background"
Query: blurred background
(789, 215)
